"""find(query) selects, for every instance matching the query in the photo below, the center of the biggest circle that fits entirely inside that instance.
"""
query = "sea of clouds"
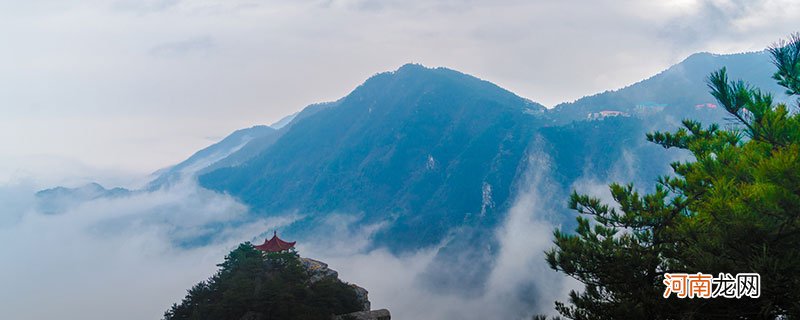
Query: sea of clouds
(131, 257)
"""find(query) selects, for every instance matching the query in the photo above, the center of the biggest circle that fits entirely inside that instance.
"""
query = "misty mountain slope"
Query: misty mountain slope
(283, 121)
(678, 89)
(259, 144)
(596, 148)
(222, 150)
(59, 199)
(425, 148)
(581, 155)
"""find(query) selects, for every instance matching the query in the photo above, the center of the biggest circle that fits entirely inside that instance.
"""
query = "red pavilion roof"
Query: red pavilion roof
(275, 244)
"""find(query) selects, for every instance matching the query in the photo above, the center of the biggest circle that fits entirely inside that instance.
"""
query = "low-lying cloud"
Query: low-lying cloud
(131, 257)
(519, 283)
(120, 258)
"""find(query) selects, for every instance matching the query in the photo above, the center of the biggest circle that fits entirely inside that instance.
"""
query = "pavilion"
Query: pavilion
(275, 244)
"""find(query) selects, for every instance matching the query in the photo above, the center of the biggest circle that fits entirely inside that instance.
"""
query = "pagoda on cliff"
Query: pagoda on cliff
(275, 244)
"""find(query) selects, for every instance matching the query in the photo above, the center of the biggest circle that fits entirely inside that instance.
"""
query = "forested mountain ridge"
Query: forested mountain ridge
(425, 148)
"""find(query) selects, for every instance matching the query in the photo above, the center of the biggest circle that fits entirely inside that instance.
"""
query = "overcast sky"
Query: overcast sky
(130, 86)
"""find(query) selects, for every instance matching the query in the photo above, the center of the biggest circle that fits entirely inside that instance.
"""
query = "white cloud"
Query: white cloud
(129, 257)
(519, 284)
(122, 258)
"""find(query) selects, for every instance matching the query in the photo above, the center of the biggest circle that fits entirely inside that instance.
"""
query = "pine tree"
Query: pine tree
(733, 208)
(253, 285)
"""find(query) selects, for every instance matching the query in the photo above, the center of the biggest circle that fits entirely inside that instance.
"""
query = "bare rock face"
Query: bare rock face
(362, 297)
(319, 270)
(381, 314)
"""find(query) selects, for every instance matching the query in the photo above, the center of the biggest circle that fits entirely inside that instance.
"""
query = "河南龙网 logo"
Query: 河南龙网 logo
(724, 285)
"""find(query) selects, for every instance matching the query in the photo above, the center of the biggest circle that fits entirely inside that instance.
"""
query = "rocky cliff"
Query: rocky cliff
(318, 270)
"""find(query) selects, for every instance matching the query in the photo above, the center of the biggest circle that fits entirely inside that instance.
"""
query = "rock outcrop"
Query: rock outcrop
(319, 270)
(381, 314)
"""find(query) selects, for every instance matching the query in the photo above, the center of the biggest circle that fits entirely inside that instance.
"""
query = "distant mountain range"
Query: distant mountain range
(435, 155)
(57, 200)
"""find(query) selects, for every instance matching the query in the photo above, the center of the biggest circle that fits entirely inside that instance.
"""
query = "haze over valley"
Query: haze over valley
(424, 150)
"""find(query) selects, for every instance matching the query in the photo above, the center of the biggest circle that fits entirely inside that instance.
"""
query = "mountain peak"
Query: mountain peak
(416, 69)
(414, 79)
(412, 67)
(413, 130)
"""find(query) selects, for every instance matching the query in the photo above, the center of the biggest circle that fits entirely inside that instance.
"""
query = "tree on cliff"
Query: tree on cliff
(257, 286)
(734, 208)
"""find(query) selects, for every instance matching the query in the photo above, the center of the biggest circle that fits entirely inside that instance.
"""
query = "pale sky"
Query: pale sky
(131, 86)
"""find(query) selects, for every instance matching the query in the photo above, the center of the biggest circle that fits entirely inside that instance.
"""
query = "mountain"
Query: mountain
(437, 156)
(419, 145)
(261, 143)
(679, 88)
(284, 121)
(219, 153)
(233, 150)
(424, 148)
(59, 199)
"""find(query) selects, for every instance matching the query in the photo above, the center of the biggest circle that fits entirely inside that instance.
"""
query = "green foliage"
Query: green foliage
(734, 208)
(254, 285)
(786, 56)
